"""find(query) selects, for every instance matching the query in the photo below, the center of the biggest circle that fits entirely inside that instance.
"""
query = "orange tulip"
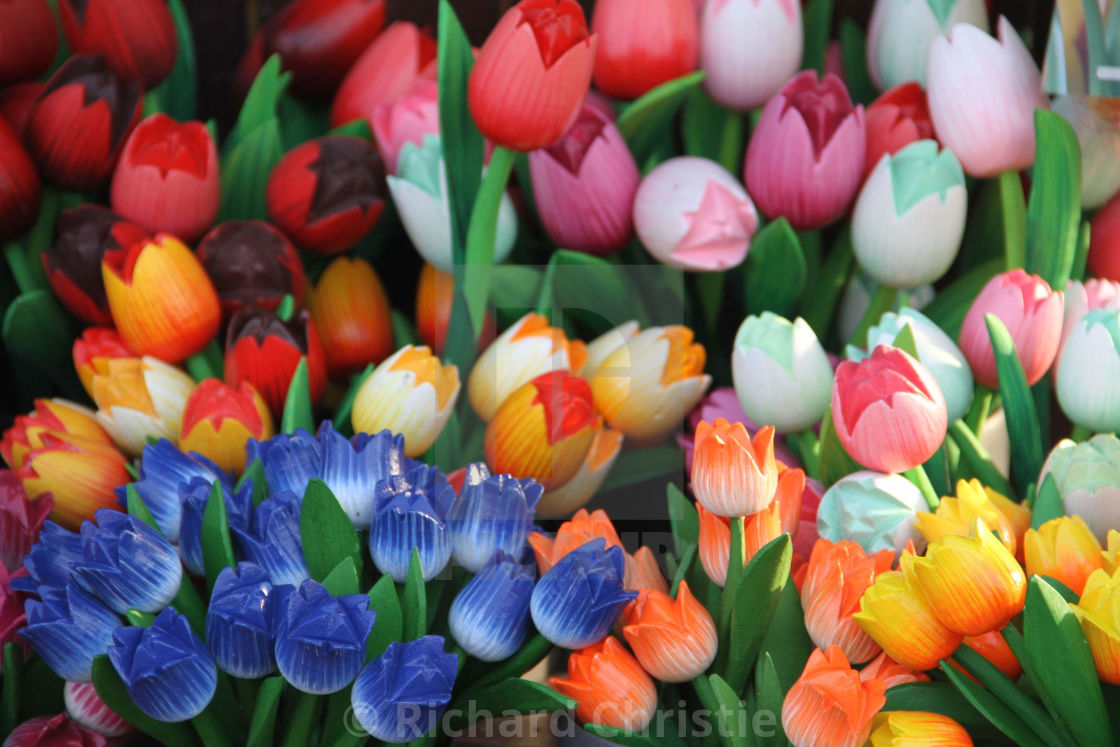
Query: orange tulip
(884, 668)
(576, 532)
(643, 572)
(830, 705)
(1098, 611)
(917, 729)
(731, 475)
(791, 490)
(587, 480)
(835, 579)
(219, 420)
(93, 351)
(351, 312)
(994, 648)
(161, 300)
(1065, 549)
(973, 501)
(899, 621)
(544, 430)
(434, 296)
(715, 538)
(610, 686)
(674, 640)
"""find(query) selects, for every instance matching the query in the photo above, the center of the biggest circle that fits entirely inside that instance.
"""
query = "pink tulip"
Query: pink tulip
(1032, 314)
(805, 159)
(86, 707)
(12, 617)
(584, 185)
(888, 410)
(20, 520)
(1081, 298)
(749, 49)
(53, 731)
(390, 67)
(407, 119)
(982, 98)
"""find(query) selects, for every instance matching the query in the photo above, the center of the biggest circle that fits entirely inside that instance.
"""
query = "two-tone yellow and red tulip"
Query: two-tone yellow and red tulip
(140, 398)
(609, 685)
(351, 313)
(93, 351)
(161, 299)
(835, 578)
(916, 729)
(411, 393)
(830, 704)
(1064, 549)
(587, 480)
(1098, 611)
(994, 648)
(219, 420)
(675, 640)
(955, 514)
(647, 384)
(731, 474)
(901, 623)
(60, 449)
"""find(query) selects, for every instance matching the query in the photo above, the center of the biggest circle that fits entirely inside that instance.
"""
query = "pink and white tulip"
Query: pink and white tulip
(1081, 298)
(85, 707)
(749, 49)
(805, 159)
(407, 119)
(901, 31)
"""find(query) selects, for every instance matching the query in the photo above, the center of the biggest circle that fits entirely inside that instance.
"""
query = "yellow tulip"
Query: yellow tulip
(1065, 549)
(900, 622)
(1098, 611)
(973, 501)
(916, 729)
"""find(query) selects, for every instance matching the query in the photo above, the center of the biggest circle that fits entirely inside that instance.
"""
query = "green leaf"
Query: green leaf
(37, 330)
(787, 644)
(403, 331)
(639, 465)
(253, 147)
(825, 282)
(297, 403)
(136, 507)
(1054, 209)
(481, 231)
(590, 289)
(853, 48)
(178, 93)
(482, 674)
(775, 270)
(217, 547)
(756, 601)
(415, 603)
(992, 708)
(1014, 219)
(342, 413)
(713, 132)
(943, 698)
(354, 128)
(10, 687)
(343, 579)
(1052, 634)
(389, 625)
(770, 694)
(835, 462)
(1018, 406)
(515, 287)
(326, 532)
(112, 691)
(730, 715)
(302, 120)
(1081, 257)
(948, 309)
(646, 121)
(263, 726)
(254, 473)
(904, 341)
(817, 22)
(1047, 503)
(974, 457)
(679, 571)
(684, 519)
(522, 696)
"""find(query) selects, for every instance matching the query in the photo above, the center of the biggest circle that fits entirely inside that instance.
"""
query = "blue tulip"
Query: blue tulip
(166, 669)
(353, 467)
(240, 627)
(289, 461)
(195, 495)
(490, 616)
(68, 628)
(401, 695)
(578, 600)
(163, 469)
(127, 564)
(321, 639)
(412, 512)
(50, 559)
(494, 513)
(272, 539)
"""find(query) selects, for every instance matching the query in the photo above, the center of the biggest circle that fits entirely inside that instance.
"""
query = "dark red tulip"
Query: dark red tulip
(327, 193)
(251, 264)
(318, 40)
(20, 189)
(136, 37)
(264, 350)
(251, 62)
(16, 102)
(388, 68)
(28, 39)
(80, 123)
(73, 264)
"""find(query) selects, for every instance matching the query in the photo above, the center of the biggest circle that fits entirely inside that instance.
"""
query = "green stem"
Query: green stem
(709, 286)
(808, 448)
(708, 700)
(210, 729)
(881, 303)
(298, 733)
(731, 141)
(10, 687)
(190, 605)
(975, 456)
(21, 271)
(140, 619)
(1080, 433)
(978, 411)
(247, 691)
(919, 477)
(480, 236)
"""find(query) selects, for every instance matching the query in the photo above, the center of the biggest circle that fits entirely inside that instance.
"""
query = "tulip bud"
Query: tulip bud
(1098, 611)
(1080, 299)
(584, 184)
(16, 102)
(782, 375)
(319, 41)
(986, 120)
(28, 40)
(50, 562)
(894, 120)
(73, 264)
(435, 295)
(68, 628)
(351, 312)
(491, 514)
(53, 731)
(917, 729)
(1104, 241)
(876, 511)
(1088, 385)
(490, 615)
(1032, 314)
(691, 213)
(642, 45)
(805, 158)
(1092, 119)
(265, 351)
(327, 193)
(407, 119)
(167, 178)
(138, 398)
(419, 191)
(411, 514)
(272, 539)
(610, 687)
(759, 529)
(136, 37)
(127, 564)
(164, 470)
(829, 704)
(956, 514)
(523, 352)
(88, 710)
(240, 621)
(1064, 549)
(1087, 475)
(643, 572)
(251, 264)
(647, 385)
(80, 122)
(901, 32)
(400, 695)
(889, 412)
(219, 420)
(731, 475)
(898, 619)
(587, 480)
(749, 49)
(532, 74)
(994, 648)
(675, 640)
(166, 669)
(884, 668)
(20, 521)
(576, 601)
(21, 191)
(387, 69)
(574, 533)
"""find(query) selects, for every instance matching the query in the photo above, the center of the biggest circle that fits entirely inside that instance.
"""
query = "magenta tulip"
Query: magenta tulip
(805, 159)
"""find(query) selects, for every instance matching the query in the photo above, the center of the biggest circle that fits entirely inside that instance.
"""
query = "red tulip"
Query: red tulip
(264, 350)
(20, 521)
(319, 40)
(167, 178)
(28, 39)
(21, 191)
(136, 37)
(327, 193)
(894, 120)
(16, 102)
(251, 264)
(73, 264)
(78, 126)
(643, 43)
(53, 731)
(388, 68)
(1104, 241)
(251, 62)
(532, 75)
